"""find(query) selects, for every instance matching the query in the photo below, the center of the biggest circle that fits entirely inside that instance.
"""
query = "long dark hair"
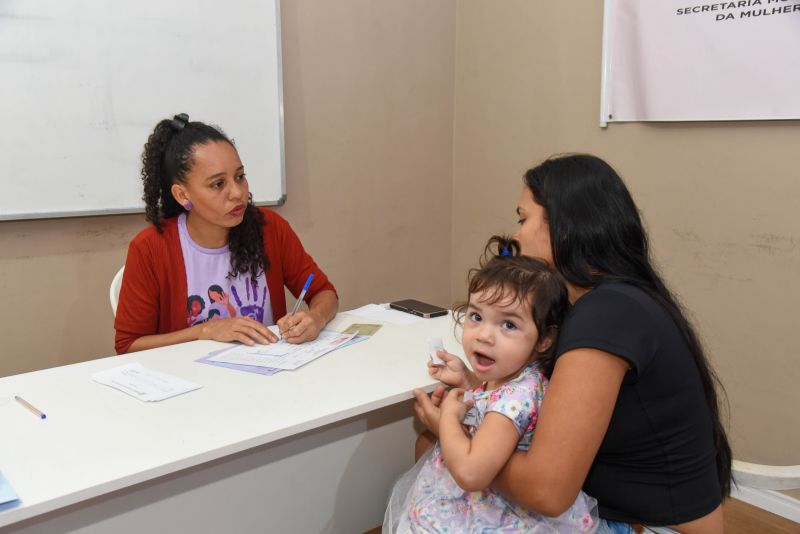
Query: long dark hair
(597, 235)
(166, 159)
(505, 274)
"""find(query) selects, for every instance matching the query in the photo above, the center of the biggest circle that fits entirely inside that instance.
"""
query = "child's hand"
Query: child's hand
(428, 409)
(453, 373)
(454, 406)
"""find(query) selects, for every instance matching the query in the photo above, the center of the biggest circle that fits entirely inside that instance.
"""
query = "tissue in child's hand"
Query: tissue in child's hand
(434, 344)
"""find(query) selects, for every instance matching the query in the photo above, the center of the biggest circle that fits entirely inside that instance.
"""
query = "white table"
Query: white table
(311, 450)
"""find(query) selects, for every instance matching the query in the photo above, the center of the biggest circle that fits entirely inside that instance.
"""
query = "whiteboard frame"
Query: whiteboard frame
(98, 213)
(605, 63)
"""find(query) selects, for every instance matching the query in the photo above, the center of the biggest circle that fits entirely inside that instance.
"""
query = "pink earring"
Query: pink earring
(188, 206)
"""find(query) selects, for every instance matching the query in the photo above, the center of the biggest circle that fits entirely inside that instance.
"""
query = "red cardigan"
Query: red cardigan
(152, 299)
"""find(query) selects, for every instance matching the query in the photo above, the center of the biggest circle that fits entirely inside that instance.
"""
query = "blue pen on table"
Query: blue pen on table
(34, 410)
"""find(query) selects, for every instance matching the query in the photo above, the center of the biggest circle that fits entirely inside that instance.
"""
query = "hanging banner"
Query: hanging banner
(684, 60)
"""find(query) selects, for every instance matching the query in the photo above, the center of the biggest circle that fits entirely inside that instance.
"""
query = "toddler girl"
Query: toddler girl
(509, 326)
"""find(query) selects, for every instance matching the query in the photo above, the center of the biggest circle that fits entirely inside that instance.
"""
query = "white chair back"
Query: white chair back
(113, 291)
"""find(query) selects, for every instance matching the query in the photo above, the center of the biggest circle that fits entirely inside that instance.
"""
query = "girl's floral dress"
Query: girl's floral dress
(427, 499)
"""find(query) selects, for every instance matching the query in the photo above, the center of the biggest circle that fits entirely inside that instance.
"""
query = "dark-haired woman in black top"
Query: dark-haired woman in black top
(632, 413)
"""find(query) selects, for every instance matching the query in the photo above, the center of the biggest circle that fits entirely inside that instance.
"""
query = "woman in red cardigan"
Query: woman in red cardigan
(212, 265)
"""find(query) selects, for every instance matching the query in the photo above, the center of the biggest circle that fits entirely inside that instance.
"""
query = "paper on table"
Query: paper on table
(144, 384)
(283, 355)
(362, 329)
(267, 371)
(381, 312)
(8, 497)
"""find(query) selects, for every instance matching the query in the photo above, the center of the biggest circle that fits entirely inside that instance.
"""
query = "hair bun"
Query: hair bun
(179, 121)
(501, 247)
(506, 247)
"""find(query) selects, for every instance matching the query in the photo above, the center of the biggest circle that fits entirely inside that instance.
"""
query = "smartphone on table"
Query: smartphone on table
(416, 307)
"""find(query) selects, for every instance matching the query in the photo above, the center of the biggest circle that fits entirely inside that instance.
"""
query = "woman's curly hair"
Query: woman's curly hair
(504, 274)
(167, 158)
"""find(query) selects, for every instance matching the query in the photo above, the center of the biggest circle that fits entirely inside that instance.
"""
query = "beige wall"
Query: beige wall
(394, 192)
(368, 100)
(720, 200)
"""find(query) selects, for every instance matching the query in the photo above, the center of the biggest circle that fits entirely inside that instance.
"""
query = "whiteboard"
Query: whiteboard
(84, 82)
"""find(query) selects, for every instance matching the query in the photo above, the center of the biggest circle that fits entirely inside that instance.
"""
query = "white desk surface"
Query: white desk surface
(97, 440)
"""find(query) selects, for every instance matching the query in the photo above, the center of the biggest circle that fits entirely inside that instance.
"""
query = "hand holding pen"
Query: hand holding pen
(300, 326)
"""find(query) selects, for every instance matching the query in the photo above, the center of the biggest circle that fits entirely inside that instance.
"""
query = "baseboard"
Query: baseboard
(771, 501)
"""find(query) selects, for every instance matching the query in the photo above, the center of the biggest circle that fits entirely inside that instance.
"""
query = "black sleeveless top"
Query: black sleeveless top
(657, 462)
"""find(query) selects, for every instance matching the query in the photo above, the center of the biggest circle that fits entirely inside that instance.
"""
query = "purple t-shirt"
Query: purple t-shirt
(212, 293)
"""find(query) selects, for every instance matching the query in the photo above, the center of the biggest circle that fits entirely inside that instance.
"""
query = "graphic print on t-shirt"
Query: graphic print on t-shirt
(212, 293)
(219, 304)
(195, 306)
(251, 306)
(249, 300)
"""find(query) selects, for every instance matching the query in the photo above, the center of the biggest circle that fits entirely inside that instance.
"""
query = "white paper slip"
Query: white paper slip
(471, 417)
(382, 312)
(435, 344)
(283, 355)
(275, 329)
(144, 384)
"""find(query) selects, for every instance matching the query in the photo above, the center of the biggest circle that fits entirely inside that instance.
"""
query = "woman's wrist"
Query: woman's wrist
(323, 307)
(199, 331)
(317, 317)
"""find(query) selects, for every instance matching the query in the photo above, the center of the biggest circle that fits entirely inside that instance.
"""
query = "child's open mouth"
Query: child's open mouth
(483, 362)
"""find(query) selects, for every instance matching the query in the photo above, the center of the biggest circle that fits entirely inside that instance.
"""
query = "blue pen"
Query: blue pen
(302, 293)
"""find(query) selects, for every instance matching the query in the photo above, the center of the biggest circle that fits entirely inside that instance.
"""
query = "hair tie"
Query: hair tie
(505, 251)
(179, 121)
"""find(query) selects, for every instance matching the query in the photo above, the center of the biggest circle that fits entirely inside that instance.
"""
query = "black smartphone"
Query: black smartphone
(416, 307)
